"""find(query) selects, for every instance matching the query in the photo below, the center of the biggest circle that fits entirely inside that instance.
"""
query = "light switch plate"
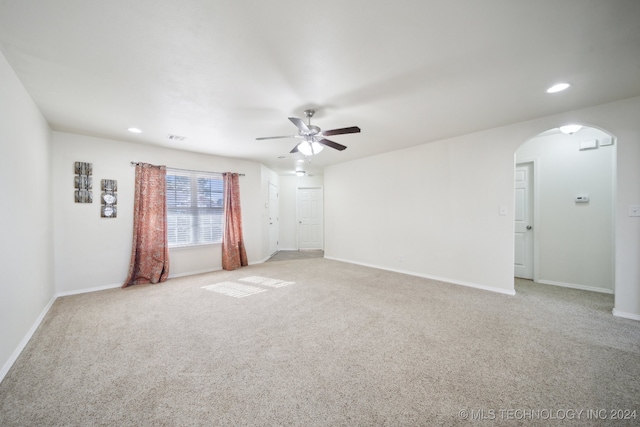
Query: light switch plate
(503, 210)
(634, 210)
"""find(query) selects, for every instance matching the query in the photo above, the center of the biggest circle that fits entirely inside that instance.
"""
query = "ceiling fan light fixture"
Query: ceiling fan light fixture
(309, 148)
(300, 173)
(570, 129)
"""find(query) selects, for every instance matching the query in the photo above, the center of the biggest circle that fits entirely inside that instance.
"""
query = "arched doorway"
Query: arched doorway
(565, 209)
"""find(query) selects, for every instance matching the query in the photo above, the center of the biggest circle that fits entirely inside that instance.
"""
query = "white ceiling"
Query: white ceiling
(224, 72)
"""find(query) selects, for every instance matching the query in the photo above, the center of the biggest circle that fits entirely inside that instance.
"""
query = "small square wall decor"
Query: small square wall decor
(109, 198)
(108, 211)
(83, 182)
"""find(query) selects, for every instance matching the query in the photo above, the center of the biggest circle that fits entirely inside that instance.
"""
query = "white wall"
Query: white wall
(93, 252)
(574, 241)
(432, 210)
(26, 258)
(289, 185)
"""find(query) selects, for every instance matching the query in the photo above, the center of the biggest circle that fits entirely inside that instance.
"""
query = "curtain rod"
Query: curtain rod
(186, 170)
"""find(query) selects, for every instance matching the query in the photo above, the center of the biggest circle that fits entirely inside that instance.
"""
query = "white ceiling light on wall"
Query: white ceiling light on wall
(559, 87)
(134, 130)
(570, 129)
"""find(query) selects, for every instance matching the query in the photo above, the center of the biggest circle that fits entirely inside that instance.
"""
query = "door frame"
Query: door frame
(535, 212)
(271, 220)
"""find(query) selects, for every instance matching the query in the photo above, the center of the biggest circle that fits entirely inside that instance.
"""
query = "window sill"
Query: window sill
(183, 247)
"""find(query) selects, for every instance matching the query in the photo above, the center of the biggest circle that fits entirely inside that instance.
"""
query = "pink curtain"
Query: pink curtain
(150, 251)
(234, 254)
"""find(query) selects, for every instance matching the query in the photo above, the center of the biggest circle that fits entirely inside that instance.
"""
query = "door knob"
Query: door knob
(528, 227)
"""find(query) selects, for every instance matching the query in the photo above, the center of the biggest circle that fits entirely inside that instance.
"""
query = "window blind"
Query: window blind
(194, 207)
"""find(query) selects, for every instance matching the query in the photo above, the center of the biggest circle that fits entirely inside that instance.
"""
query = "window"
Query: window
(194, 208)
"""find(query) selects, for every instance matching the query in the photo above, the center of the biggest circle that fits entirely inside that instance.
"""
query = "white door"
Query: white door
(310, 218)
(274, 225)
(523, 267)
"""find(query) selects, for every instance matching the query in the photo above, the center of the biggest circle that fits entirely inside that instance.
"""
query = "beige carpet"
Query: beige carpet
(325, 344)
(292, 255)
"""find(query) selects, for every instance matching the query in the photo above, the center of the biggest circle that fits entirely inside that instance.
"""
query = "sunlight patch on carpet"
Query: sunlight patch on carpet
(233, 289)
(265, 281)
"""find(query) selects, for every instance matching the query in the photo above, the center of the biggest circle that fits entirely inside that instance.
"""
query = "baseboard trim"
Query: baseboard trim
(574, 286)
(16, 353)
(263, 260)
(626, 315)
(87, 290)
(193, 273)
(119, 285)
(427, 276)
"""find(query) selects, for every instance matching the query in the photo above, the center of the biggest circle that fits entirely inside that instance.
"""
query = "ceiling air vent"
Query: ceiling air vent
(176, 137)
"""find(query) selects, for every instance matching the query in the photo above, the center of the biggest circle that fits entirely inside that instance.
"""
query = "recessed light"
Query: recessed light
(134, 130)
(559, 87)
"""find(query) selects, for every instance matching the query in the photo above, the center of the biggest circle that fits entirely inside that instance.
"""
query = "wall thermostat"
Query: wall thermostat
(582, 198)
(588, 145)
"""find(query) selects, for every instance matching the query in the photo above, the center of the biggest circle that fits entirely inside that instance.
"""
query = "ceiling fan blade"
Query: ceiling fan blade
(299, 124)
(295, 149)
(275, 137)
(352, 129)
(332, 144)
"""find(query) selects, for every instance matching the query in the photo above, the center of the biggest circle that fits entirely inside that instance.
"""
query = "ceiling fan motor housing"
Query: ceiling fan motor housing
(313, 130)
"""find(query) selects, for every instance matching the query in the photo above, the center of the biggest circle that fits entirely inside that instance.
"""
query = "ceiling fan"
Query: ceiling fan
(313, 138)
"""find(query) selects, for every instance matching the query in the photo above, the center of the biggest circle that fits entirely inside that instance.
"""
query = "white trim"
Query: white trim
(427, 276)
(87, 290)
(119, 285)
(614, 215)
(574, 286)
(16, 353)
(625, 315)
(535, 188)
(263, 260)
(192, 273)
(198, 245)
(271, 184)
